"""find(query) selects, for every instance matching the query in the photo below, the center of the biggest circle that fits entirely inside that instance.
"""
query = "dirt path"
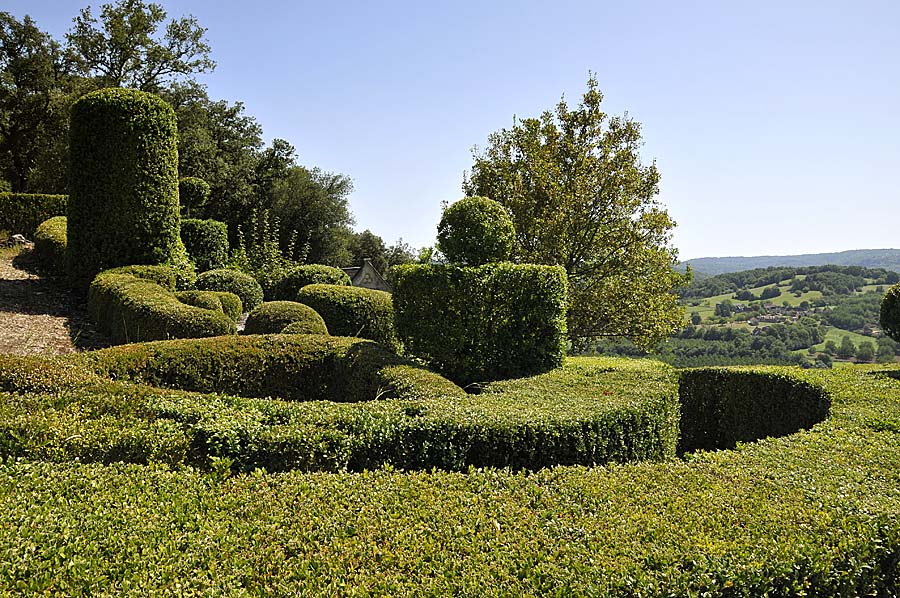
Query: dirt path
(37, 315)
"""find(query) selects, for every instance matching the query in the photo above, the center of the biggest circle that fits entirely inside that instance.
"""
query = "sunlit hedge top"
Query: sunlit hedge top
(476, 231)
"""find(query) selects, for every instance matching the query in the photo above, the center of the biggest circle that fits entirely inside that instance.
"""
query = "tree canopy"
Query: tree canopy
(579, 196)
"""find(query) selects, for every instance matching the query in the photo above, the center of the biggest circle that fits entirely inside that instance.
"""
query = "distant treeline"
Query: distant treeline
(827, 279)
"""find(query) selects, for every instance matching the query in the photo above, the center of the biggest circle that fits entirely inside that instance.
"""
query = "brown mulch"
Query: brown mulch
(38, 315)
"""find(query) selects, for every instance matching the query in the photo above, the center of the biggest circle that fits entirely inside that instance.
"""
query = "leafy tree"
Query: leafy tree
(831, 347)
(125, 47)
(579, 197)
(400, 253)
(847, 348)
(695, 318)
(368, 245)
(865, 351)
(724, 309)
(887, 350)
(770, 293)
(475, 231)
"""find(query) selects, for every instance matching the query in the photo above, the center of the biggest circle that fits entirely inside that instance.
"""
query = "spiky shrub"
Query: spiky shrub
(232, 281)
(206, 242)
(123, 206)
(274, 316)
(890, 312)
(193, 193)
(476, 231)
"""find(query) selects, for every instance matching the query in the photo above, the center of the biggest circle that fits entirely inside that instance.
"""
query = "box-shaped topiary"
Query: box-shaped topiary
(353, 311)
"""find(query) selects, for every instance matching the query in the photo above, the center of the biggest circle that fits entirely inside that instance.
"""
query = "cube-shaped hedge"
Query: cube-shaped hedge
(476, 324)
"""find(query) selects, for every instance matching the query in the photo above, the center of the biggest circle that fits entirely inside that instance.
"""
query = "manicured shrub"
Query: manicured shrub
(353, 311)
(274, 316)
(50, 245)
(21, 213)
(206, 242)
(193, 193)
(296, 278)
(129, 309)
(484, 323)
(227, 303)
(890, 312)
(476, 231)
(232, 281)
(123, 208)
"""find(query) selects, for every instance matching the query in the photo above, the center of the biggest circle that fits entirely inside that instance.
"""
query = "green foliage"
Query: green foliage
(129, 308)
(297, 277)
(259, 253)
(123, 207)
(50, 245)
(193, 193)
(579, 197)
(274, 316)
(21, 213)
(890, 312)
(475, 324)
(206, 242)
(475, 231)
(353, 311)
(227, 303)
(232, 281)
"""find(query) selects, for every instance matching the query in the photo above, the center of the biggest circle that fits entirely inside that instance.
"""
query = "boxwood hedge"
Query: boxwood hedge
(353, 311)
(297, 277)
(274, 316)
(232, 281)
(21, 213)
(206, 242)
(815, 513)
(50, 245)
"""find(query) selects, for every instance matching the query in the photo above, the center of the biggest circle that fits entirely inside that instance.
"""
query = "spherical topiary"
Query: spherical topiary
(299, 276)
(193, 193)
(123, 203)
(272, 317)
(206, 242)
(353, 311)
(232, 281)
(890, 312)
(476, 231)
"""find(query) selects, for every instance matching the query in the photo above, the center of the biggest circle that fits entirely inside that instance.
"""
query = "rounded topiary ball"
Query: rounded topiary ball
(193, 193)
(232, 281)
(274, 316)
(890, 312)
(123, 202)
(476, 231)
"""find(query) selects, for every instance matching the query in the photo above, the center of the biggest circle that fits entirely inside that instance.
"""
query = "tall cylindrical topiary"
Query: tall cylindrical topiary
(476, 231)
(123, 204)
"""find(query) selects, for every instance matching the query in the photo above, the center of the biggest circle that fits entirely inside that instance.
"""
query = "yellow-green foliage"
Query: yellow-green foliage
(274, 316)
(50, 244)
(353, 311)
(21, 213)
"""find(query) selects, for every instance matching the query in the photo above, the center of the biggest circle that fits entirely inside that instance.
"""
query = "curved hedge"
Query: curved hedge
(123, 207)
(50, 245)
(227, 303)
(353, 311)
(296, 278)
(274, 316)
(130, 305)
(206, 242)
(22, 213)
(232, 281)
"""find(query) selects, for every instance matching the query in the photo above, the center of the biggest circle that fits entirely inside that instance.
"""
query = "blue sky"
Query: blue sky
(775, 125)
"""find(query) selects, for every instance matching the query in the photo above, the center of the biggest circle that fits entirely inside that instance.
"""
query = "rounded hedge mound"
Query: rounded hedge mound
(232, 281)
(476, 231)
(123, 203)
(274, 316)
(353, 311)
(50, 241)
(296, 278)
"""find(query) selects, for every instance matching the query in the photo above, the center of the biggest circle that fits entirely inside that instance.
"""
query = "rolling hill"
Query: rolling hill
(888, 259)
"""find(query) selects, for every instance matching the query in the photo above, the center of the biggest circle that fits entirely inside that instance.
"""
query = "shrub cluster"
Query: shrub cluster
(353, 311)
(193, 193)
(130, 305)
(232, 281)
(206, 242)
(50, 245)
(21, 213)
(484, 323)
(227, 303)
(123, 208)
(475, 231)
(274, 316)
(890, 312)
(297, 277)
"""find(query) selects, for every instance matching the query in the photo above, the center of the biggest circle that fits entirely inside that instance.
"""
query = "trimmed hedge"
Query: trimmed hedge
(476, 231)
(206, 242)
(130, 305)
(193, 193)
(50, 245)
(123, 208)
(22, 213)
(274, 316)
(890, 312)
(484, 323)
(296, 278)
(227, 303)
(232, 281)
(353, 311)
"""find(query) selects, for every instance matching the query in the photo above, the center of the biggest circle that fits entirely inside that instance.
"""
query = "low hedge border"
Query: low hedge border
(814, 513)
(22, 213)
(232, 281)
(273, 317)
(130, 305)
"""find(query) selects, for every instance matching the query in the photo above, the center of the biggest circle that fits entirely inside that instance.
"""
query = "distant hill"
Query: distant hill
(889, 259)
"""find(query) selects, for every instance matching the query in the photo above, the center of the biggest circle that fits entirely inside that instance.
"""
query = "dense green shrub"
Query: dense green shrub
(21, 213)
(206, 242)
(50, 245)
(272, 317)
(232, 281)
(123, 208)
(353, 311)
(484, 323)
(476, 231)
(890, 312)
(227, 303)
(296, 278)
(131, 308)
(193, 193)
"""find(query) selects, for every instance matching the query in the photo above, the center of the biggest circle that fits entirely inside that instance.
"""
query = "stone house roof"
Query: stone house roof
(367, 276)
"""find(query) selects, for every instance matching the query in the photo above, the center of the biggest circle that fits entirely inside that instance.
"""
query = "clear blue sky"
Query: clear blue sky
(775, 125)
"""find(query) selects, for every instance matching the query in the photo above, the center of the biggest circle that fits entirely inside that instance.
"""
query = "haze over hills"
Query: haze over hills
(888, 259)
